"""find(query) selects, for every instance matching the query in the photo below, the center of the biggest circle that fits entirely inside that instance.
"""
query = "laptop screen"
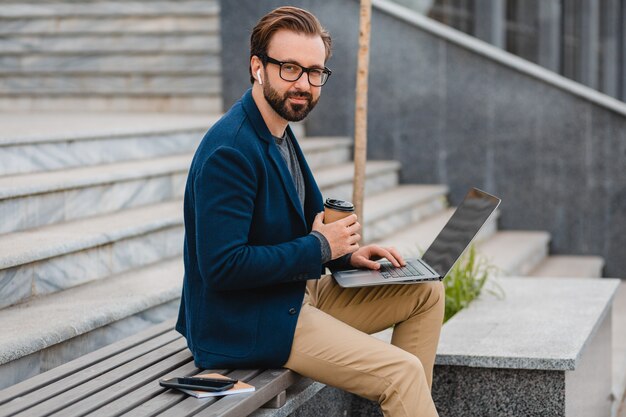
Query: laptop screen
(458, 233)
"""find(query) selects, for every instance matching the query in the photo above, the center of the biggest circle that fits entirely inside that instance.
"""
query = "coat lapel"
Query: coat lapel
(273, 153)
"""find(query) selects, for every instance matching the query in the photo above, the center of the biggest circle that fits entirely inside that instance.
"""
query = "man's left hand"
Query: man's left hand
(366, 256)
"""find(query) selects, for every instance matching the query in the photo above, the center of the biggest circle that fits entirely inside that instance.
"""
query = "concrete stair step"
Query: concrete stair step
(515, 253)
(572, 266)
(54, 329)
(40, 199)
(416, 238)
(393, 210)
(75, 140)
(108, 104)
(112, 24)
(114, 84)
(337, 181)
(112, 63)
(44, 142)
(54, 258)
(44, 198)
(207, 42)
(324, 151)
(60, 9)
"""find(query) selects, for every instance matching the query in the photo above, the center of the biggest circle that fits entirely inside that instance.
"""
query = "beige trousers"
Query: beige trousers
(332, 343)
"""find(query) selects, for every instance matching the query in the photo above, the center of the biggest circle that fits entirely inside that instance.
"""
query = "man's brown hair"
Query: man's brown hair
(290, 18)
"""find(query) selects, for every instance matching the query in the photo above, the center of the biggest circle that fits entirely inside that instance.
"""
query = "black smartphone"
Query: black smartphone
(198, 384)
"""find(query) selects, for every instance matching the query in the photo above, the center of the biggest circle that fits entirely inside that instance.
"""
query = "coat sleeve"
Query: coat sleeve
(224, 194)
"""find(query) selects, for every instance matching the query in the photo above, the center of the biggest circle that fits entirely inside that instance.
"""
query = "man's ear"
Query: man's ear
(256, 65)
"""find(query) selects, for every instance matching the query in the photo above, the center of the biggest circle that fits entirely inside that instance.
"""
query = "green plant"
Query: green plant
(466, 280)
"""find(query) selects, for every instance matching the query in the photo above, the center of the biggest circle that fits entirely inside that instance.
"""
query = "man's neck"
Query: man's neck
(274, 122)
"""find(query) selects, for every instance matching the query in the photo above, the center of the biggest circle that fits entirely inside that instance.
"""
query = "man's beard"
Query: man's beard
(289, 111)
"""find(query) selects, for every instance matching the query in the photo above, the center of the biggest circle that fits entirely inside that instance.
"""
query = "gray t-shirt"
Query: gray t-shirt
(287, 151)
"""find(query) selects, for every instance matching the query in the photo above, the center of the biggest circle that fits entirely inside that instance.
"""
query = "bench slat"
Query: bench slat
(95, 385)
(163, 398)
(83, 375)
(268, 385)
(191, 405)
(138, 398)
(55, 374)
(126, 385)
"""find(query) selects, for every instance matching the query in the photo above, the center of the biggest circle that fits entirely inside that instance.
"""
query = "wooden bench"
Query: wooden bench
(122, 378)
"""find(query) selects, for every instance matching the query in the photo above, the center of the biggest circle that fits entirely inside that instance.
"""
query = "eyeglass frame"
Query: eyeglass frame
(304, 69)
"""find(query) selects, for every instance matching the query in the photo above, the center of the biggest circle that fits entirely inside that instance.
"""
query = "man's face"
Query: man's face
(293, 100)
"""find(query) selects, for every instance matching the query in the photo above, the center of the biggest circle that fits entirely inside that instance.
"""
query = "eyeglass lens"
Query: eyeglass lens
(292, 72)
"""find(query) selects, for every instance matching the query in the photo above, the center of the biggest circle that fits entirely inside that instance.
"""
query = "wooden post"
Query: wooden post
(360, 118)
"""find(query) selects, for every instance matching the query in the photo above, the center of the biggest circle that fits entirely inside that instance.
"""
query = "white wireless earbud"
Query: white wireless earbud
(258, 76)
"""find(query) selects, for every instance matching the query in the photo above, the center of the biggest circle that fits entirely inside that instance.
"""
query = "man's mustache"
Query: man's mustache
(303, 94)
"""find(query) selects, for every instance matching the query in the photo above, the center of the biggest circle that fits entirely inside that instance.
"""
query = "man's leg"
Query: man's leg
(328, 350)
(416, 312)
(338, 352)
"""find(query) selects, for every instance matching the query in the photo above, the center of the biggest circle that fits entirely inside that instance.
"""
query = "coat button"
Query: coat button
(292, 311)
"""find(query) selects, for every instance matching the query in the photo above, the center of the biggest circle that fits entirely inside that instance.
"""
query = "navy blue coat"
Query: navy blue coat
(248, 251)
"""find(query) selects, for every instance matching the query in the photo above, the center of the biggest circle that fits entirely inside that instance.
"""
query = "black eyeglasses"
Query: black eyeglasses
(292, 72)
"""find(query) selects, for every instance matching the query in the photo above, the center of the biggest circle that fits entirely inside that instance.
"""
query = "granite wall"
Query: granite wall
(468, 116)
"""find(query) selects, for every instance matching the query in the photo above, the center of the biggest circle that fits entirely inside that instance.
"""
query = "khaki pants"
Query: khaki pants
(332, 343)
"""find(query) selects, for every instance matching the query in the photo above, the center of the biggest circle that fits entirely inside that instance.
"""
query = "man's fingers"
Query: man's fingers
(354, 238)
(371, 264)
(353, 228)
(397, 255)
(385, 253)
(347, 221)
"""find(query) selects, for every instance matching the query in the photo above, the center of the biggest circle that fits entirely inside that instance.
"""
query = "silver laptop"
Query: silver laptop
(443, 253)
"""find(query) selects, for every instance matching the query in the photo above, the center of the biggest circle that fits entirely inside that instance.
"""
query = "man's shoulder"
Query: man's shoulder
(233, 130)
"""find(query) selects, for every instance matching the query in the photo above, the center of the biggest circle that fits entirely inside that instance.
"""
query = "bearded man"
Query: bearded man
(256, 246)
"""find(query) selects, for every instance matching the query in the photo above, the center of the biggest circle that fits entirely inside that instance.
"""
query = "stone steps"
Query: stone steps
(44, 198)
(132, 84)
(112, 63)
(85, 318)
(166, 104)
(104, 56)
(54, 258)
(60, 9)
(336, 181)
(569, 266)
(516, 252)
(108, 24)
(392, 210)
(55, 43)
(46, 142)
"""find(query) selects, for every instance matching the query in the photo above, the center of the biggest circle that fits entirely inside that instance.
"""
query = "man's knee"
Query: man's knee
(410, 369)
(429, 295)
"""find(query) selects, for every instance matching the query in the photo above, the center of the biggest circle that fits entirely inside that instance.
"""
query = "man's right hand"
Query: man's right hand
(342, 235)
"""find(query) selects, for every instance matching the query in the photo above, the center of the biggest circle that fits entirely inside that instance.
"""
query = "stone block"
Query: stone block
(209, 104)
(542, 350)
(94, 24)
(123, 84)
(178, 41)
(111, 63)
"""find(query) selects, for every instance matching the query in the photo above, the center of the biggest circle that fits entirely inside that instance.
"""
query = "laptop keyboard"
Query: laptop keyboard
(387, 270)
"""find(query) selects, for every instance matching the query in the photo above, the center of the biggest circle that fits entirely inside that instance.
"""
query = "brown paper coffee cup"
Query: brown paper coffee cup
(336, 209)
